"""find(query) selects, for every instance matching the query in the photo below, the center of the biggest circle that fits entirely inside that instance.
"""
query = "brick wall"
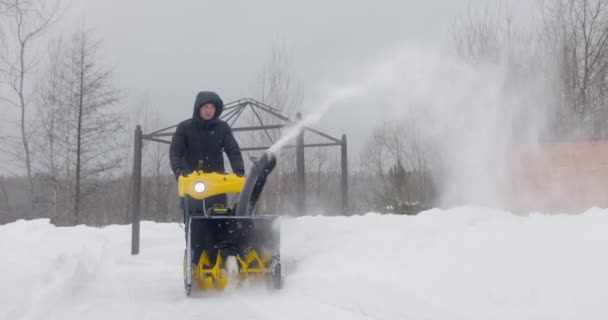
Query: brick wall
(568, 177)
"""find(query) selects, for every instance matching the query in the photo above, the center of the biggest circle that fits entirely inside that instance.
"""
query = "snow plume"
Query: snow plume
(336, 96)
(467, 114)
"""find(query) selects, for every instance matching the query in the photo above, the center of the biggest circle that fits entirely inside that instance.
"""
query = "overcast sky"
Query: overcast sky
(169, 50)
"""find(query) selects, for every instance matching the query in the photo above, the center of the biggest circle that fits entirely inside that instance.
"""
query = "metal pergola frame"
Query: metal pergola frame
(232, 111)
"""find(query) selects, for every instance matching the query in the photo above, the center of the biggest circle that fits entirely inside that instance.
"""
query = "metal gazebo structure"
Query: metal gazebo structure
(232, 112)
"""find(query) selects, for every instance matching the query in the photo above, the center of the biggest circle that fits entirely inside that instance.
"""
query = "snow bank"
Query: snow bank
(463, 263)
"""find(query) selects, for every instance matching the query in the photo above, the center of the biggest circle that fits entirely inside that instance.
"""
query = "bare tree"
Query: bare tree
(7, 205)
(50, 111)
(278, 88)
(400, 160)
(278, 85)
(27, 20)
(478, 35)
(493, 35)
(161, 187)
(516, 50)
(159, 191)
(577, 31)
(4, 6)
(81, 126)
(320, 163)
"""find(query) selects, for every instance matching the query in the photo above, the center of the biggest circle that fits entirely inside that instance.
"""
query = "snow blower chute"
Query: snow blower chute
(229, 244)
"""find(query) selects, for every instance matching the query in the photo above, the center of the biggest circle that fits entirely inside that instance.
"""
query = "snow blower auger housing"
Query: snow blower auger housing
(229, 244)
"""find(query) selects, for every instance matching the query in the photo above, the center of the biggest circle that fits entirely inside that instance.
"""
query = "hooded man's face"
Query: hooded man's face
(206, 111)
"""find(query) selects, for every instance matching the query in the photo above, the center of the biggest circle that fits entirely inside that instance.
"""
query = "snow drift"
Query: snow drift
(463, 263)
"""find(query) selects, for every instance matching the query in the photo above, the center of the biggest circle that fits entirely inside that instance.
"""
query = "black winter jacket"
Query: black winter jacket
(197, 139)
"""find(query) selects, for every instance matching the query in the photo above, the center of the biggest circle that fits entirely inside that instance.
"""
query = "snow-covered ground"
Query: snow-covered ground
(463, 263)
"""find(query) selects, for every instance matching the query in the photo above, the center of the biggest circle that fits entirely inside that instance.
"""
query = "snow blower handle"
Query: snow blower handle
(199, 167)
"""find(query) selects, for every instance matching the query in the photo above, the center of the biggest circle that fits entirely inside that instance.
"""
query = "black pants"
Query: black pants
(198, 236)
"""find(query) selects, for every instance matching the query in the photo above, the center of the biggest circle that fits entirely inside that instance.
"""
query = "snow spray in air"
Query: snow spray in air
(334, 98)
(372, 79)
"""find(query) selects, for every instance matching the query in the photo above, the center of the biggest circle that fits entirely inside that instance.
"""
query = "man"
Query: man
(205, 137)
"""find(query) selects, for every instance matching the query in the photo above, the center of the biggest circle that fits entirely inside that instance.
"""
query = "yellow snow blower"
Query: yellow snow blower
(229, 244)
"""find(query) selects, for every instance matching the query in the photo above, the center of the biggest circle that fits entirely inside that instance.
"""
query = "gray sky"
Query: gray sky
(169, 50)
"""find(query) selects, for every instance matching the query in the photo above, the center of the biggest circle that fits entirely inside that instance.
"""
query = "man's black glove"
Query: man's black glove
(180, 172)
(239, 172)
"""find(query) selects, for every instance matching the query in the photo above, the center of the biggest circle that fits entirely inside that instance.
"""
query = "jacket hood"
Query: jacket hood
(204, 97)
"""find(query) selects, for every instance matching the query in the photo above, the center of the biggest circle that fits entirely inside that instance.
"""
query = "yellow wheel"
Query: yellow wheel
(205, 282)
(222, 283)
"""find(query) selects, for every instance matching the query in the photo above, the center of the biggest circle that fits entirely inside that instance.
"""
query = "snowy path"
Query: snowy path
(464, 263)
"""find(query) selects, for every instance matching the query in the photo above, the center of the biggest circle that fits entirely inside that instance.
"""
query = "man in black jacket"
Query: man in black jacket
(205, 137)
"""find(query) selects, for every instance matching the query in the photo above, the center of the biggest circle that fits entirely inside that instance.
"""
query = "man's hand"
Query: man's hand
(239, 173)
(180, 172)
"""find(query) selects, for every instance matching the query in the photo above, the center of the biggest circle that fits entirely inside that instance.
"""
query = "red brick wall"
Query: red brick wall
(558, 177)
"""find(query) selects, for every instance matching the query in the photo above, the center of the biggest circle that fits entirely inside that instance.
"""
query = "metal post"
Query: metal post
(300, 173)
(344, 184)
(136, 196)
